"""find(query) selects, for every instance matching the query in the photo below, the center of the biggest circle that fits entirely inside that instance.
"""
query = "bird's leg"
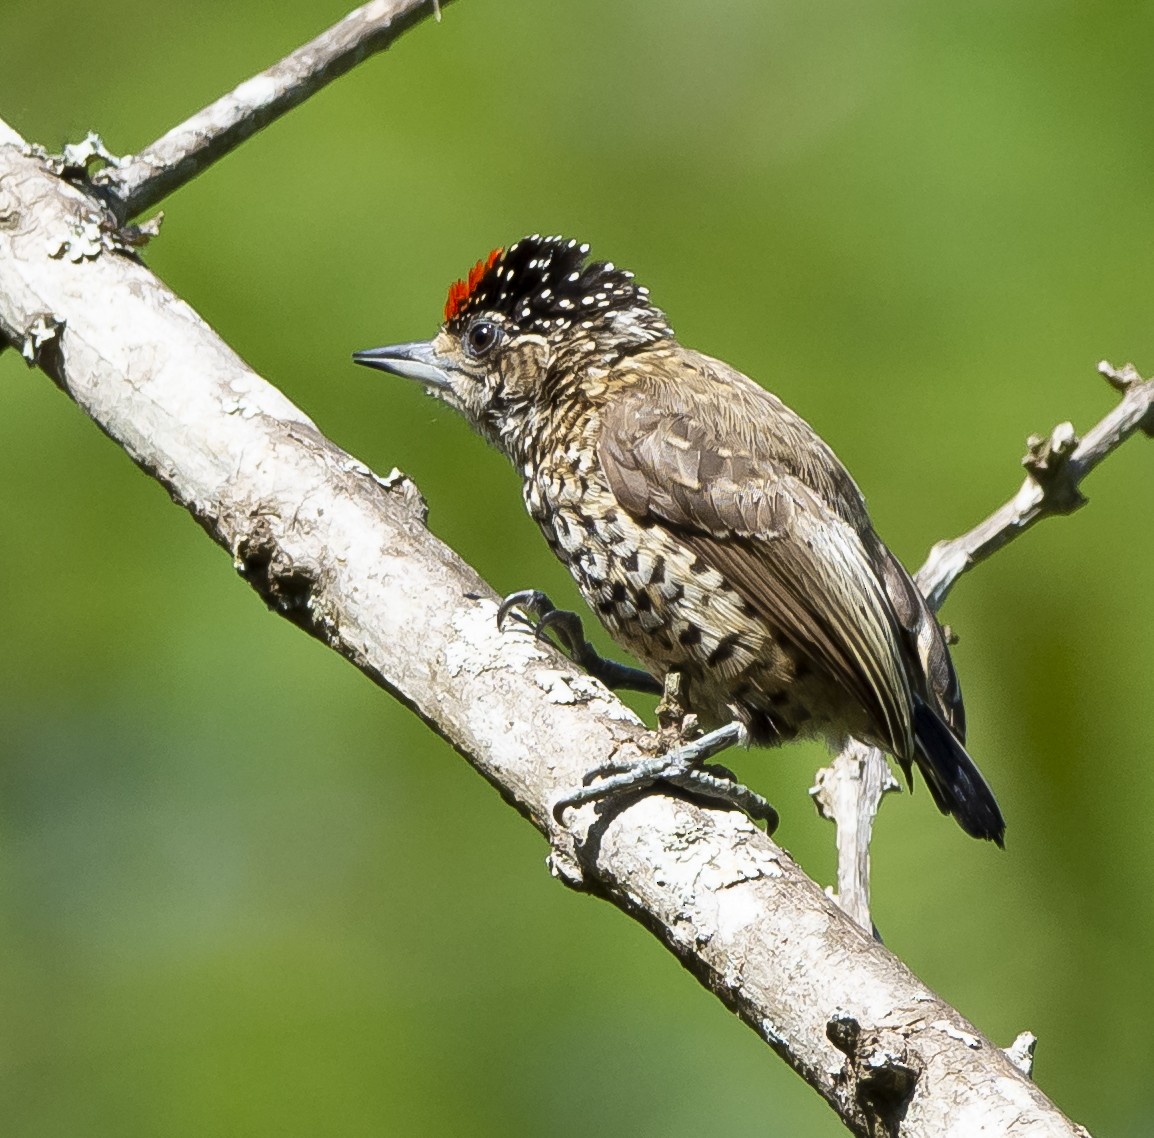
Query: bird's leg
(672, 716)
(539, 612)
(681, 765)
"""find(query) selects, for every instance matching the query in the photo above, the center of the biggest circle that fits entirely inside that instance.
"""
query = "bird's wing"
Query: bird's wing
(673, 457)
(925, 642)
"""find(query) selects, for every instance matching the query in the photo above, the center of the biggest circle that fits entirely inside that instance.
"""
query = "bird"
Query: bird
(712, 531)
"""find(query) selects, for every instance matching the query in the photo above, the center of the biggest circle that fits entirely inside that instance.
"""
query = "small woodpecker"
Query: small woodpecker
(707, 525)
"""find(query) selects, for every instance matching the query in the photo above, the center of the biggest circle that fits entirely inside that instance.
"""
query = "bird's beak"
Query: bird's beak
(416, 361)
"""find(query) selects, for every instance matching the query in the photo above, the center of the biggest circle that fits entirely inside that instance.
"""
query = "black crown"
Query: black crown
(545, 285)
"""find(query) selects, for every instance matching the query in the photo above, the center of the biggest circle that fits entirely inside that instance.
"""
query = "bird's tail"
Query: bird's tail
(953, 778)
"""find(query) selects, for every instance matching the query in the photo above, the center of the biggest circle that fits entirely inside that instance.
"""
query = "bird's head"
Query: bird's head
(530, 329)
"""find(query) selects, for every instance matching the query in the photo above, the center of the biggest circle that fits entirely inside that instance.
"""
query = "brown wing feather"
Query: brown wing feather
(790, 554)
(925, 643)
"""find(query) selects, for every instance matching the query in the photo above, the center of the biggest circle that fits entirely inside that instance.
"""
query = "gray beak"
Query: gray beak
(410, 361)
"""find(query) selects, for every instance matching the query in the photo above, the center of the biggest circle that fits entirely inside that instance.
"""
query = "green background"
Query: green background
(243, 892)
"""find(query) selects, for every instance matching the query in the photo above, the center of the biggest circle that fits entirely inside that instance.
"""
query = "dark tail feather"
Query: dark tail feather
(955, 782)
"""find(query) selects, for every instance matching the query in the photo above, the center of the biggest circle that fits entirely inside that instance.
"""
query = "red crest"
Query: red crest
(460, 291)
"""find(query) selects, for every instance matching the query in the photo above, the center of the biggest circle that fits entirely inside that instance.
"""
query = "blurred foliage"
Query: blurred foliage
(242, 891)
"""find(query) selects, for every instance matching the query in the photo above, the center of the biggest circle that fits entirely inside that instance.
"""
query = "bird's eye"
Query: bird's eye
(481, 337)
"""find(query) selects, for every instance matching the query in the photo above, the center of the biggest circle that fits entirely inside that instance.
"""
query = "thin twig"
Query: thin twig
(849, 791)
(1056, 466)
(142, 180)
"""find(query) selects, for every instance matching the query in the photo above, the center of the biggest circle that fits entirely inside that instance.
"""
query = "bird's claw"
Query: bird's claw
(532, 602)
(681, 767)
(543, 616)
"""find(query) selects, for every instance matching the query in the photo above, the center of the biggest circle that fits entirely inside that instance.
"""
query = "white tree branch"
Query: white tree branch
(849, 791)
(345, 555)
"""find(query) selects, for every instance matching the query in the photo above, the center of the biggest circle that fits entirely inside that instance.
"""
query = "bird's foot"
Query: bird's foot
(533, 608)
(681, 761)
(681, 766)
